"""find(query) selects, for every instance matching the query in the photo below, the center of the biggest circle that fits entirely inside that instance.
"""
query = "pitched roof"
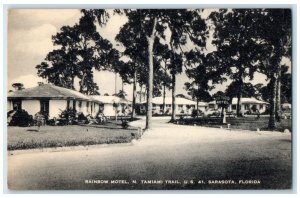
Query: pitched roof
(243, 101)
(178, 100)
(248, 100)
(48, 91)
(110, 99)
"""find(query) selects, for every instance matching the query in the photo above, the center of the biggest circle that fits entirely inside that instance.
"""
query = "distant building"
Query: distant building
(246, 105)
(51, 100)
(113, 105)
(183, 106)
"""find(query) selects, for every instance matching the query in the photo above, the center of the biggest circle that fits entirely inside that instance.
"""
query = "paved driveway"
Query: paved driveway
(167, 157)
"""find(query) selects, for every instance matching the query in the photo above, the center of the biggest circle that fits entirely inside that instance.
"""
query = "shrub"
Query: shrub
(68, 116)
(82, 118)
(125, 124)
(20, 118)
(51, 122)
(196, 113)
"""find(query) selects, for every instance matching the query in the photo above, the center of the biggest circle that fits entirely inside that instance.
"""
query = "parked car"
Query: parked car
(212, 113)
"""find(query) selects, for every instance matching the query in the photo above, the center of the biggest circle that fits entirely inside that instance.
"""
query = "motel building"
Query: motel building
(246, 105)
(51, 100)
(183, 106)
(113, 105)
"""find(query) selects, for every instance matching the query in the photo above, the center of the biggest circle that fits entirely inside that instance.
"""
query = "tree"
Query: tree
(82, 50)
(232, 90)
(18, 86)
(276, 46)
(237, 44)
(121, 94)
(163, 59)
(200, 71)
(181, 96)
(286, 85)
(147, 20)
(133, 38)
(183, 25)
(258, 87)
(218, 94)
(154, 23)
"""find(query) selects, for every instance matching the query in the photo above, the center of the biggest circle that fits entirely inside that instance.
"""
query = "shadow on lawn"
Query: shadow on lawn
(32, 130)
(107, 127)
(285, 140)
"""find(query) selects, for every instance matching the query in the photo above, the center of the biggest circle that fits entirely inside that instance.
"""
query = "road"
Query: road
(189, 157)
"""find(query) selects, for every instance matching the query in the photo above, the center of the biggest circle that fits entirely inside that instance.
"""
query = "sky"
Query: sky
(29, 41)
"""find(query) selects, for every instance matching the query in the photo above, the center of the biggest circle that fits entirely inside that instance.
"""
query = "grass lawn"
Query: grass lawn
(71, 135)
(245, 123)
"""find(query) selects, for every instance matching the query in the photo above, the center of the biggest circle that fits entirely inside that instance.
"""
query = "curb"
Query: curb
(67, 148)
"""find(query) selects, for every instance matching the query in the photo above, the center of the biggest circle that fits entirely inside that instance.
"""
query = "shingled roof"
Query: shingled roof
(48, 91)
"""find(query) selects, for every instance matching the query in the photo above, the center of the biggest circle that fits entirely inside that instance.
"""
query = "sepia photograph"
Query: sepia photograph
(149, 99)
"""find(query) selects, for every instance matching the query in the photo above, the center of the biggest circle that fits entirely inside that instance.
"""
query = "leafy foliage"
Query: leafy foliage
(82, 50)
(19, 118)
(18, 86)
(247, 91)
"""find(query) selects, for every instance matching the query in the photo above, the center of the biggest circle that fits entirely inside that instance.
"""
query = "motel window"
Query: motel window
(44, 107)
(180, 107)
(153, 107)
(233, 107)
(261, 106)
(101, 107)
(161, 107)
(17, 104)
(247, 107)
(87, 104)
(79, 104)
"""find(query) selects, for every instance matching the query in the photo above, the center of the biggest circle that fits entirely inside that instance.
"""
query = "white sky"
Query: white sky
(29, 41)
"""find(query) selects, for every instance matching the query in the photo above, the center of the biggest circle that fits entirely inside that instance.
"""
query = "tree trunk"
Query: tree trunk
(197, 107)
(164, 99)
(73, 87)
(238, 106)
(272, 119)
(82, 83)
(197, 99)
(115, 83)
(141, 89)
(278, 96)
(133, 95)
(173, 97)
(150, 76)
(239, 96)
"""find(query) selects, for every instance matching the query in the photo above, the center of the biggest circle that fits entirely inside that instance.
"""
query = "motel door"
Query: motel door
(45, 108)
